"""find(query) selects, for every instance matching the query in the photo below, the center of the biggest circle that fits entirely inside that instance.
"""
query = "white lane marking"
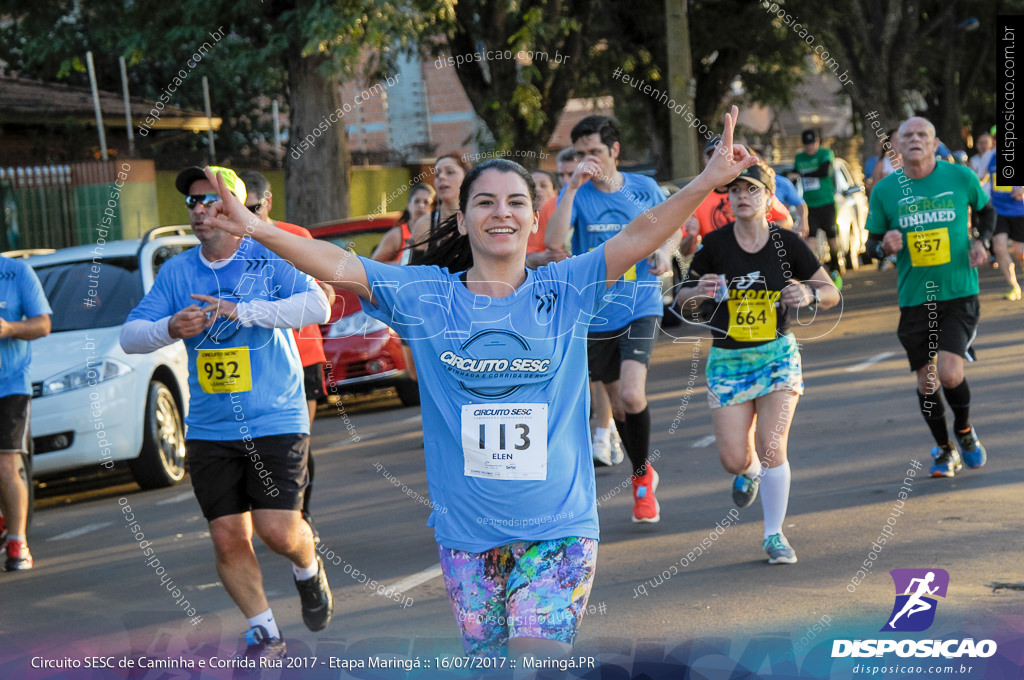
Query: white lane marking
(703, 442)
(204, 586)
(176, 499)
(416, 579)
(869, 362)
(74, 533)
(411, 419)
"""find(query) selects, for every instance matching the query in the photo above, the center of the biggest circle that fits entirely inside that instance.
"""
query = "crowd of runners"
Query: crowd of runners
(541, 289)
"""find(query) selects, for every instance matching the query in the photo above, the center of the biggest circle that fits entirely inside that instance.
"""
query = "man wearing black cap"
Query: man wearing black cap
(814, 164)
(248, 428)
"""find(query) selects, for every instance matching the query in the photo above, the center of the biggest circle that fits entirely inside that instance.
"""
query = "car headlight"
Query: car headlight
(85, 375)
(359, 323)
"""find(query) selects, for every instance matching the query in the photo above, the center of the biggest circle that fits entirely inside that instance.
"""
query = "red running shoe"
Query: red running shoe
(645, 505)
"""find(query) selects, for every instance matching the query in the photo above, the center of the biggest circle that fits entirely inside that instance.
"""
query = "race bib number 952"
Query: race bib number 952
(224, 370)
(505, 441)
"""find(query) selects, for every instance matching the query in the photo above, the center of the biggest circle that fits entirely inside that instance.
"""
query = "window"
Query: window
(87, 295)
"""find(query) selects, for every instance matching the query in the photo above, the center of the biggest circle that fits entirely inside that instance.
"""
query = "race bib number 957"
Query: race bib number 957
(928, 248)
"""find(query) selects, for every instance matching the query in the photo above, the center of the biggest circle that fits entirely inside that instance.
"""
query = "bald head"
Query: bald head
(918, 121)
(917, 143)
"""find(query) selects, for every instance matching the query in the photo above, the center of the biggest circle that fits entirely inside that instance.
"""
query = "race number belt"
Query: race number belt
(505, 441)
(812, 183)
(752, 319)
(928, 248)
(224, 370)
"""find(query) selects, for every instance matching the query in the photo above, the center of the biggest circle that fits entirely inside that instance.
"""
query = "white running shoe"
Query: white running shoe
(618, 453)
(602, 452)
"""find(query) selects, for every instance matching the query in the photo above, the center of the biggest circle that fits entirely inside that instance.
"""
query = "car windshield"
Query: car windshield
(87, 295)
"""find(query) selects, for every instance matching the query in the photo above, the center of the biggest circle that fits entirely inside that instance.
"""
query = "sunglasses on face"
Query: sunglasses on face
(255, 209)
(206, 200)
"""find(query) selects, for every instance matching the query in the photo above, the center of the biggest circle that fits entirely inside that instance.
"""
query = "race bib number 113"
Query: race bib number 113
(505, 441)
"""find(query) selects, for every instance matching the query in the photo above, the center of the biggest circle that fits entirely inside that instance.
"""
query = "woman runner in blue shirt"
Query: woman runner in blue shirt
(501, 355)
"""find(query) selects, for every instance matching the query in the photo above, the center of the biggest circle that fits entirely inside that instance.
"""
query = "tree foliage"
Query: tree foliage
(291, 49)
(913, 57)
(521, 98)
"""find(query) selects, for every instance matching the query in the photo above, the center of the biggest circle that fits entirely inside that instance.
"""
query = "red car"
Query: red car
(363, 354)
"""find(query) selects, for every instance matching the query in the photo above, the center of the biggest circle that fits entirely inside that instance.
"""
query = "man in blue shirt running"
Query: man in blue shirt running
(248, 427)
(24, 316)
(598, 202)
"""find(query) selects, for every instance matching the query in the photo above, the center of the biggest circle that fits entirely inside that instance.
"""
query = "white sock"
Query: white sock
(753, 470)
(307, 573)
(602, 434)
(775, 497)
(266, 619)
(15, 537)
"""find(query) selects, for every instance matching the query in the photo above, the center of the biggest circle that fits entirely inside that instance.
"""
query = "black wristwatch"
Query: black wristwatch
(817, 296)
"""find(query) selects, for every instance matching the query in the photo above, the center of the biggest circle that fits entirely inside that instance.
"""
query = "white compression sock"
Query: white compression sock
(307, 573)
(266, 619)
(602, 434)
(775, 497)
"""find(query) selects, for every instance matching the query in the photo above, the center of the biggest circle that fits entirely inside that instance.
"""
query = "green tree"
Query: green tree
(520, 98)
(298, 48)
(729, 40)
(912, 56)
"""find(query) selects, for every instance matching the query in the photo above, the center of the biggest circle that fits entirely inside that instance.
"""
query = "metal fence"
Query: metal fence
(56, 206)
(39, 207)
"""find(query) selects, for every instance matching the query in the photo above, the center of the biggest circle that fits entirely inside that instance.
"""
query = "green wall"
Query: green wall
(367, 186)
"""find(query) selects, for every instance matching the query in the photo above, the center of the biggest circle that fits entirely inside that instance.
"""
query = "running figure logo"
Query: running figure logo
(914, 610)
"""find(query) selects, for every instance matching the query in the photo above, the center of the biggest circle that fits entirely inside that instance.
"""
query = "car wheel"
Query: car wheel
(161, 461)
(408, 392)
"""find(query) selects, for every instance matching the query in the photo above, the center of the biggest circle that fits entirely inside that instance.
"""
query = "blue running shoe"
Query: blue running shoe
(971, 449)
(947, 462)
(744, 490)
(779, 550)
(259, 645)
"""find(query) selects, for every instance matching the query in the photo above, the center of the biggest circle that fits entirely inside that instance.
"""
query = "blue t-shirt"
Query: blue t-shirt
(596, 217)
(222, 410)
(21, 297)
(869, 167)
(787, 191)
(1002, 201)
(488, 370)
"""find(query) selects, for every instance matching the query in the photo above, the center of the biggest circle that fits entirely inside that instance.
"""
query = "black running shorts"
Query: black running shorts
(15, 415)
(232, 477)
(822, 217)
(608, 349)
(946, 325)
(1011, 226)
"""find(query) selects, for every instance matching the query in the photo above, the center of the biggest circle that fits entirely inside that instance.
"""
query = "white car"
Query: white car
(92, 404)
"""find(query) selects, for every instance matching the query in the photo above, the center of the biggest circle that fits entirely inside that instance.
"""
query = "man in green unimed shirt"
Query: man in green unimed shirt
(815, 167)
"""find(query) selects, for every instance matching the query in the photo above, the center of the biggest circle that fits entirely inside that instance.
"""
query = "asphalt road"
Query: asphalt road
(661, 603)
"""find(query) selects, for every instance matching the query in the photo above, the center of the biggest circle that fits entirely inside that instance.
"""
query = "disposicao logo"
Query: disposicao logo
(915, 605)
(914, 611)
